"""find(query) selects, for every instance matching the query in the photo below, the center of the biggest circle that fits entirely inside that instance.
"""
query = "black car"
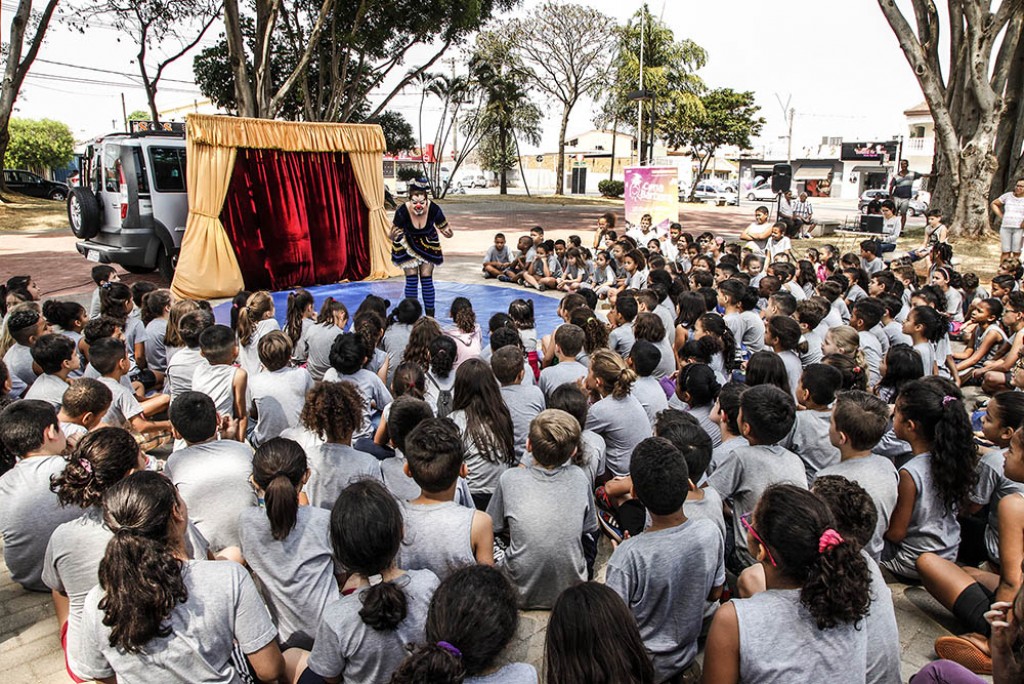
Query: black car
(28, 183)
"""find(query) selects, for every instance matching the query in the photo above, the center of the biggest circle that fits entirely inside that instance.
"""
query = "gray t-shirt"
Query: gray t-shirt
(524, 402)
(278, 397)
(794, 368)
(156, 346)
(622, 339)
(217, 381)
(513, 673)
(318, 341)
(780, 642)
(18, 360)
(396, 339)
(134, 333)
(810, 441)
(893, 330)
(745, 476)
(123, 406)
(623, 423)
(553, 377)
(878, 476)
(883, 647)
(374, 393)
(872, 349)
(72, 563)
(502, 256)
(349, 649)
(248, 354)
(992, 486)
(333, 467)
(723, 452)
(296, 573)
(753, 332)
(180, 369)
(213, 480)
(404, 488)
(813, 339)
(483, 473)
(437, 537)
(707, 508)
(48, 388)
(29, 513)
(223, 608)
(649, 392)
(932, 527)
(665, 577)
(543, 559)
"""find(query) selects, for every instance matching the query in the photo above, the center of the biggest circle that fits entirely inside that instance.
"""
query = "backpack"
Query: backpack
(445, 398)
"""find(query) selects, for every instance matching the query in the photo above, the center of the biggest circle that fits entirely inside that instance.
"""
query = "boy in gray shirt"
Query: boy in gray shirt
(692, 441)
(666, 574)
(212, 475)
(524, 402)
(182, 366)
(545, 509)
(568, 344)
(859, 420)
(766, 417)
(279, 393)
(55, 354)
(809, 438)
(441, 535)
(621, 338)
(25, 326)
(29, 511)
(644, 359)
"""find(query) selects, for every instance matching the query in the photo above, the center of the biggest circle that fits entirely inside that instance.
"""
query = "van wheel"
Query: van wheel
(166, 264)
(83, 213)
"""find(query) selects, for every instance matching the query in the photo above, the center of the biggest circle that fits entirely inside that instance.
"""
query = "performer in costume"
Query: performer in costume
(415, 245)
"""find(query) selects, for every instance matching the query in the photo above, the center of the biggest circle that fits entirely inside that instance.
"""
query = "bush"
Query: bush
(611, 188)
(409, 173)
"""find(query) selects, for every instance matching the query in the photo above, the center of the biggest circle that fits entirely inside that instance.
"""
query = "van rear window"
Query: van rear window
(168, 168)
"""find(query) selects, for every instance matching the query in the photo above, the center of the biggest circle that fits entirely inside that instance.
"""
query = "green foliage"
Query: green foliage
(139, 115)
(39, 144)
(397, 131)
(494, 158)
(408, 173)
(361, 45)
(611, 188)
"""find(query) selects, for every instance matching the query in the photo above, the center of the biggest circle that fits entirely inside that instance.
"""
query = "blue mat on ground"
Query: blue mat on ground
(487, 300)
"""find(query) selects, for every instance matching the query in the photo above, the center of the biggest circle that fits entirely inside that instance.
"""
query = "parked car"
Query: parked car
(479, 182)
(131, 205)
(870, 196)
(761, 193)
(917, 207)
(708, 192)
(28, 183)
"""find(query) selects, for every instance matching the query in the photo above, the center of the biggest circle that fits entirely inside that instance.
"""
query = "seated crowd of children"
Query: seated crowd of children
(373, 497)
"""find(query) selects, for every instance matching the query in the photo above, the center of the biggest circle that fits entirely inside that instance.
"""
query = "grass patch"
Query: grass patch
(20, 213)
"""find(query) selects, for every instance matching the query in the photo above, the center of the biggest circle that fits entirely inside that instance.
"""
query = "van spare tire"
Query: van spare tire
(83, 213)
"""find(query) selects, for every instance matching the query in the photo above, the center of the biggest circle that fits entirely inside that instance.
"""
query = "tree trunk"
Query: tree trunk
(615, 137)
(244, 100)
(1010, 135)
(560, 164)
(502, 145)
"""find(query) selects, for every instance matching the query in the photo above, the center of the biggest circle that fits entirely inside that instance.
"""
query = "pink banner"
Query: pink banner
(652, 190)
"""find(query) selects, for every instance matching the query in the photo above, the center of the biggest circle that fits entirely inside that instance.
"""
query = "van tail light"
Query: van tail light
(124, 192)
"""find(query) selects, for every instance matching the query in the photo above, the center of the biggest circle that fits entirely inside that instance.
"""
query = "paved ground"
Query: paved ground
(29, 645)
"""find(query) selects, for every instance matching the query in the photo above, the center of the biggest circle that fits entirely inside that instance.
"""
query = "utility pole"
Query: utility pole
(788, 113)
(640, 103)
(124, 112)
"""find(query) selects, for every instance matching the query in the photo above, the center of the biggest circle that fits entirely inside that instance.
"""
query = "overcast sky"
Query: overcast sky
(837, 62)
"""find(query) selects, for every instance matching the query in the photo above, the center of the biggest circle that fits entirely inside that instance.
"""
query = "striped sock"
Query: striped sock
(410, 286)
(427, 283)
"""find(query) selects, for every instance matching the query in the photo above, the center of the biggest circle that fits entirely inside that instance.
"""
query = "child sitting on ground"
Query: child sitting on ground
(55, 354)
(810, 436)
(666, 574)
(858, 422)
(211, 474)
(181, 367)
(101, 275)
(498, 257)
(524, 401)
(220, 379)
(440, 534)
(568, 340)
(279, 392)
(542, 559)
(647, 389)
(348, 356)
(766, 416)
(83, 406)
(109, 357)
(25, 327)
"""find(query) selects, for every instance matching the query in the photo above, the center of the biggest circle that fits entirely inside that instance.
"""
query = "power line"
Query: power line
(108, 71)
(97, 82)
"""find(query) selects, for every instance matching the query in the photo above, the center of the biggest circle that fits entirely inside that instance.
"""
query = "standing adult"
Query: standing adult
(901, 189)
(415, 245)
(1009, 207)
(786, 213)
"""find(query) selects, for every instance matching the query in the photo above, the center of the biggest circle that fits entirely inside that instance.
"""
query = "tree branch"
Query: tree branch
(300, 68)
(409, 77)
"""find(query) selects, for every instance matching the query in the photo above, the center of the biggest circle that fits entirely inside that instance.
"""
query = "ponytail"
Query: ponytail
(298, 301)
(798, 530)
(366, 534)
(102, 458)
(595, 332)
(329, 311)
(624, 383)
(278, 468)
(432, 663)
(463, 315)
(114, 299)
(609, 367)
(153, 305)
(139, 572)
(256, 308)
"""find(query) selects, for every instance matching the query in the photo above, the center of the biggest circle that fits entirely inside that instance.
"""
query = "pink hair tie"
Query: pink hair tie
(829, 539)
(947, 399)
(86, 465)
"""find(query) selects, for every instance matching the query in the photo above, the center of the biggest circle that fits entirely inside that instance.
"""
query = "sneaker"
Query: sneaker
(602, 500)
(504, 279)
(541, 288)
(962, 650)
(610, 526)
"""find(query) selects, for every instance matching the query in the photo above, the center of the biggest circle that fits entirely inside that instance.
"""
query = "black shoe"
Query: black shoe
(430, 313)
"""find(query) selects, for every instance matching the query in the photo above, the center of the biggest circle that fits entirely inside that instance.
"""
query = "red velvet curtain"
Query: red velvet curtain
(296, 219)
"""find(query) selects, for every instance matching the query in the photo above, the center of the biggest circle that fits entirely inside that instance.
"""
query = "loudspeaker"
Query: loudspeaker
(782, 176)
(871, 223)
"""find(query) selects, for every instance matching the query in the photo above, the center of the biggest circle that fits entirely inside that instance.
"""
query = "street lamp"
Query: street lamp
(640, 96)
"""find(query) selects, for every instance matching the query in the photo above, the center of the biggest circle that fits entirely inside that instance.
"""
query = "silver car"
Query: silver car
(130, 205)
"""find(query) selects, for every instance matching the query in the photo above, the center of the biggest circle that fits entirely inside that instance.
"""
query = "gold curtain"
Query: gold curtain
(207, 266)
